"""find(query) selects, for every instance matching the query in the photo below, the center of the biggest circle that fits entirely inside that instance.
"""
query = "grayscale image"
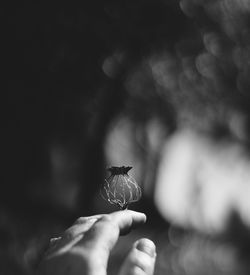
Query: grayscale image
(125, 137)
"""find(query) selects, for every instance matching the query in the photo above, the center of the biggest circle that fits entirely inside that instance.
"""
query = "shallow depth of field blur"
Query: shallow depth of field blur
(159, 85)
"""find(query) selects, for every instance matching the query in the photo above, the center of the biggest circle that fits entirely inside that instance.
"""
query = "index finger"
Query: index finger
(103, 235)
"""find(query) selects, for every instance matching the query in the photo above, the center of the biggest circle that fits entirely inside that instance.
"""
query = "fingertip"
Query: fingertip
(131, 212)
(131, 218)
(141, 259)
(147, 246)
(138, 216)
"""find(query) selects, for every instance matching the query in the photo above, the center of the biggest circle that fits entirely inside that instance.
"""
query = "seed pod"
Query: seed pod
(120, 188)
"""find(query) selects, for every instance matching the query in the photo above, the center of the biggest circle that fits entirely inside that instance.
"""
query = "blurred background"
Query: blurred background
(159, 85)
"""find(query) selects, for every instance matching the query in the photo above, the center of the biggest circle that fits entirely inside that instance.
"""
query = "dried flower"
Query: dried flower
(120, 188)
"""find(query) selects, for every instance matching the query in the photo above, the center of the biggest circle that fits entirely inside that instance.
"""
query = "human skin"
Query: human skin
(85, 247)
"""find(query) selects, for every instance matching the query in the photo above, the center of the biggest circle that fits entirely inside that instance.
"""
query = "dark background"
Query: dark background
(71, 70)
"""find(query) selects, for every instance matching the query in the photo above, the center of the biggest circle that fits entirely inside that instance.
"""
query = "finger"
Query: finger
(82, 220)
(80, 226)
(107, 229)
(103, 235)
(72, 235)
(141, 259)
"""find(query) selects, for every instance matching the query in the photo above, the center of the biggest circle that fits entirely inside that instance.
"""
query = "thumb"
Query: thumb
(141, 259)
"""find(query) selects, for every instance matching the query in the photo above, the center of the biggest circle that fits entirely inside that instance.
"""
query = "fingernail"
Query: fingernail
(147, 247)
(52, 240)
(92, 220)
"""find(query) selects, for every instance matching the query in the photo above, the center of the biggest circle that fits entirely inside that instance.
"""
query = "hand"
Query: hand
(85, 247)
